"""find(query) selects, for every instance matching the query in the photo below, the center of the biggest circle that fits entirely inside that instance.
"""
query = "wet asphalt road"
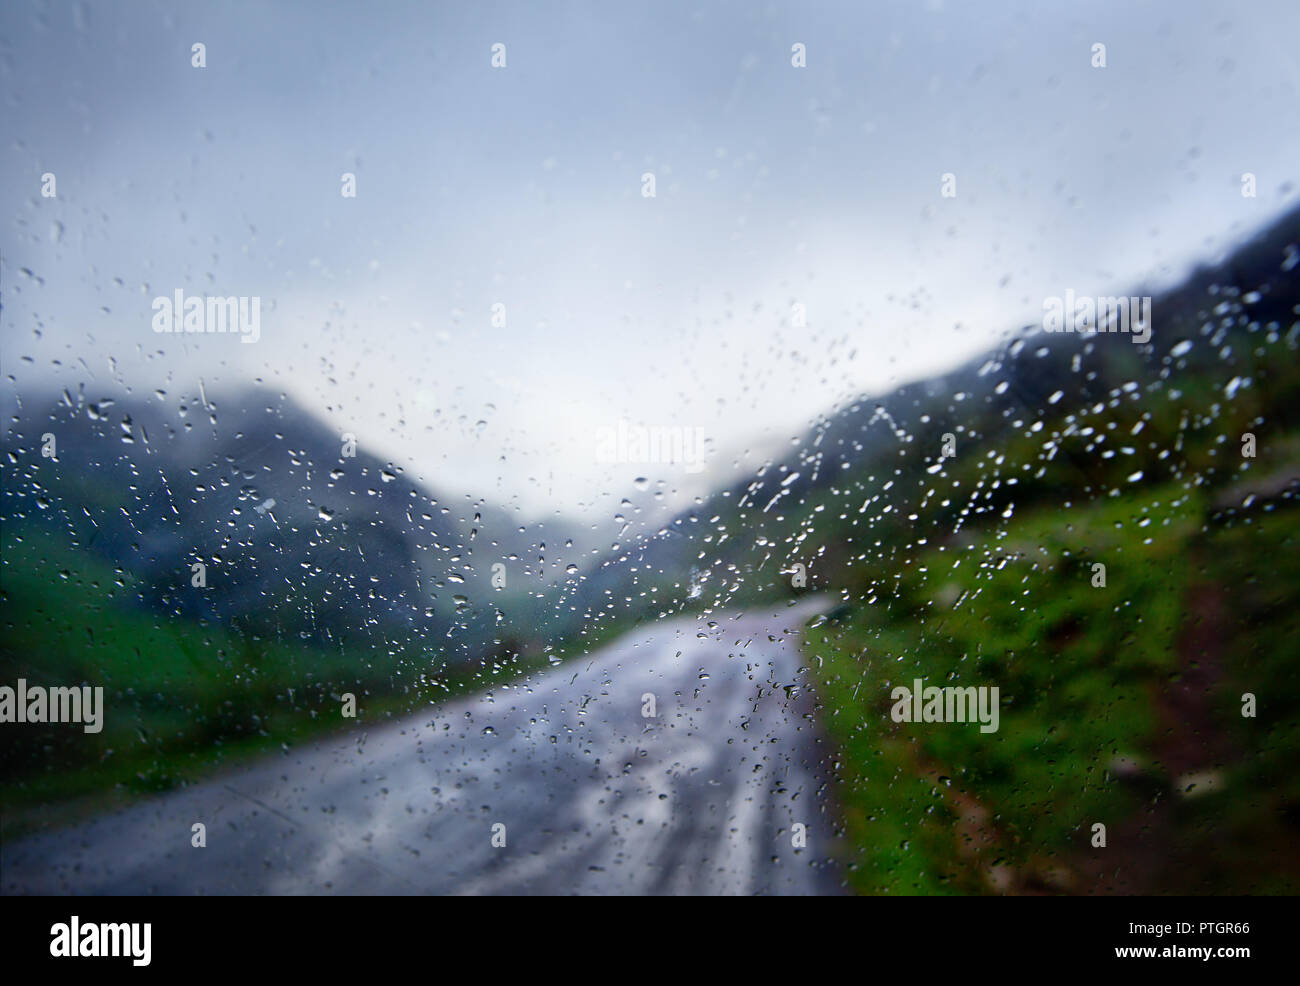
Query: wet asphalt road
(594, 797)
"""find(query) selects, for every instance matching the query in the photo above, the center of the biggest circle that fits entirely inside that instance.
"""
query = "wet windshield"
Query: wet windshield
(723, 449)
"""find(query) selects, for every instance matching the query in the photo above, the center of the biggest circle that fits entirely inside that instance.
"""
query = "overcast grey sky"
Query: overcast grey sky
(522, 186)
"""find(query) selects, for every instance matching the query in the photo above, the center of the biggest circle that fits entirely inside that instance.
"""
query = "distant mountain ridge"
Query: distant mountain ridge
(296, 535)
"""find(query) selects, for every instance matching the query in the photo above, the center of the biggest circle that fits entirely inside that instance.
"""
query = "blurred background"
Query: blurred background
(485, 236)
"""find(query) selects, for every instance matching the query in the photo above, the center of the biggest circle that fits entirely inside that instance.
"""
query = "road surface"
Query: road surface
(595, 798)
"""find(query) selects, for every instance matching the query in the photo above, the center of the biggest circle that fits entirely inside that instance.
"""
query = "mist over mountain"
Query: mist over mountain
(866, 478)
(304, 533)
